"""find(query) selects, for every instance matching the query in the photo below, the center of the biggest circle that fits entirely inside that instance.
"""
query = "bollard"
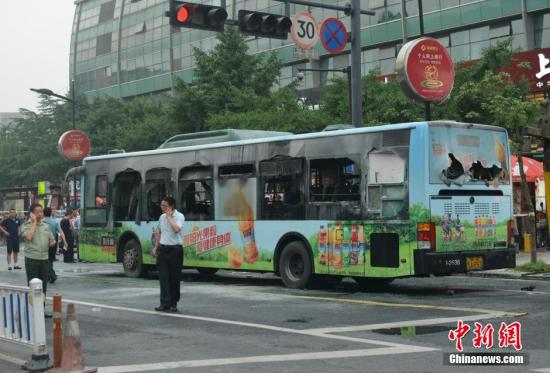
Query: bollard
(57, 331)
(527, 242)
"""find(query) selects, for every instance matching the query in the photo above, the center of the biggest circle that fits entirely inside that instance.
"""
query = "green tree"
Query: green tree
(278, 111)
(222, 77)
(383, 101)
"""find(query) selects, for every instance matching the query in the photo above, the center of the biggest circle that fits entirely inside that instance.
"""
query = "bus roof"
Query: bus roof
(289, 137)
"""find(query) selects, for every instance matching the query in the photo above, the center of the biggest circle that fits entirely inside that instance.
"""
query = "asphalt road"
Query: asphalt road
(243, 322)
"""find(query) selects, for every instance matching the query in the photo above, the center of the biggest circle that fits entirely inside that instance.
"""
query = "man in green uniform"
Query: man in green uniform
(38, 238)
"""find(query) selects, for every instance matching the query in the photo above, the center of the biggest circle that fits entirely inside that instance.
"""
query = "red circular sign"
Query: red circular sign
(74, 145)
(426, 70)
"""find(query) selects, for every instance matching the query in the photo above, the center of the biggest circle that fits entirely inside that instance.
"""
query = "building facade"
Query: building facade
(126, 48)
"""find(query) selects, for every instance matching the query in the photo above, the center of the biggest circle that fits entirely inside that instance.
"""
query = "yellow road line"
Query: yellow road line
(412, 305)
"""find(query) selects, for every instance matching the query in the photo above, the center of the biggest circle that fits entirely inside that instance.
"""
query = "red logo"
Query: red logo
(426, 69)
(509, 335)
(74, 145)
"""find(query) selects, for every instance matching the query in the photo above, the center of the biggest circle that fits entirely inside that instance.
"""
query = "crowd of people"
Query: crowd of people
(65, 229)
(42, 234)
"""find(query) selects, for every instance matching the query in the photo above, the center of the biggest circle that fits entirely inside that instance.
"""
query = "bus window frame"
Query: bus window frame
(384, 188)
(90, 199)
(276, 211)
(355, 160)
(185, 182)
(220, 180)
(168, 183)
(106, 194)
(139, 194)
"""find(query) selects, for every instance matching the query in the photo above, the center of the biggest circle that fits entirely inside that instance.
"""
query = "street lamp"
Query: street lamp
(49, 92)
(345, 70)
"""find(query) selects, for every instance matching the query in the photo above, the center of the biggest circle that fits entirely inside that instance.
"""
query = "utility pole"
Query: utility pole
(427, 104)
(356, 93)
(542, 132)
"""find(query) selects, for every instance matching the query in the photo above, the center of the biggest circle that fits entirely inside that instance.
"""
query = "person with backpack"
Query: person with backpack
(49, 217)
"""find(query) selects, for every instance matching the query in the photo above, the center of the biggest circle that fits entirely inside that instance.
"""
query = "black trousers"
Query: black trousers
(169, 264)
(37, 269)
(68, 254)
(51, 258)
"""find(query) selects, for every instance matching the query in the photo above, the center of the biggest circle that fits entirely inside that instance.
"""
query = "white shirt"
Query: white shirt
(167, 234)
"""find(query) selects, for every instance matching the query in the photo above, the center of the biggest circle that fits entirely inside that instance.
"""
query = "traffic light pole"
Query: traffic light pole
(356, 93)
(354, 10)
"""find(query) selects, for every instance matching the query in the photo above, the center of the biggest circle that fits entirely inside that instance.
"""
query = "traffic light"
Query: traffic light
(198, 16)
(268, 25)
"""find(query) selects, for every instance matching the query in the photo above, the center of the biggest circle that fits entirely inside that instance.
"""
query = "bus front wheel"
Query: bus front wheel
(295, 265)
(132, 260)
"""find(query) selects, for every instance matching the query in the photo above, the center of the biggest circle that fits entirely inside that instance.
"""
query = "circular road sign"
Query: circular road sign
(334, 35)
(305, 30)
(426, 70)
(74, 145)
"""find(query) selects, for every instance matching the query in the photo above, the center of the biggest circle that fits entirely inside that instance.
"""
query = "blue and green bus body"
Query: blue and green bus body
(404, 213)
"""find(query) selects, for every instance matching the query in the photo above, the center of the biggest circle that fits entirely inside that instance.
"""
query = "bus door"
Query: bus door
(388, 238)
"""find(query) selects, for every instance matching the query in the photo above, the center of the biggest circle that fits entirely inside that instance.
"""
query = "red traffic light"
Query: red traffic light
(184, 13)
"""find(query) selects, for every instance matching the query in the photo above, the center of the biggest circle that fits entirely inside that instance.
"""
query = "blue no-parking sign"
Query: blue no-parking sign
(334, 35)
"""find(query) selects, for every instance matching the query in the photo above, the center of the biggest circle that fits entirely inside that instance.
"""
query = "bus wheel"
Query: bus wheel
(132, 260)
(207, 271)
(372, 283)
(295, 265)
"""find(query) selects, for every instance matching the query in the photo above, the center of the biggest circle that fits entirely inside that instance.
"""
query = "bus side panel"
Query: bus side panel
(342, 248)
(97, 245)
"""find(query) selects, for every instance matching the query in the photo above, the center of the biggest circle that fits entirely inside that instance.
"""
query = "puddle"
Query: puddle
(297, 320)
(411, 331)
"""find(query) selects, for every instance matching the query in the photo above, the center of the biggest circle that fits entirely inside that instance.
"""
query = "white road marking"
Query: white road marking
(11, 359)
(238, 323)
(543, 370)
(322, 355)
(400, 324)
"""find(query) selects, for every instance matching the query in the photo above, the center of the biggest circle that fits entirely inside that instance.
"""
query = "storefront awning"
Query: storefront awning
(533, 169)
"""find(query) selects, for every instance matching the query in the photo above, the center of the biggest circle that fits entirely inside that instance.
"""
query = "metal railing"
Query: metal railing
(22, 320)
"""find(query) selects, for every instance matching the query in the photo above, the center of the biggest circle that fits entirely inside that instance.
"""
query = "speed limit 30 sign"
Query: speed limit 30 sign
(305, 30)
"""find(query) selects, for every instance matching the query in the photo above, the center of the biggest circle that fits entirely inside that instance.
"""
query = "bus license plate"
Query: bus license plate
(474, 262)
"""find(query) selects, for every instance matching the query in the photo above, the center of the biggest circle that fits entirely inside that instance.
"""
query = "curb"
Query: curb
(515, 275)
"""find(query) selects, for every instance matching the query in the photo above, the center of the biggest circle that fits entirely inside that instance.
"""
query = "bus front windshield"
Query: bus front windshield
(468, 156)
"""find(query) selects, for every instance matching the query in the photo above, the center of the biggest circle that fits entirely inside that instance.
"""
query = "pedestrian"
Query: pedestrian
(38, 239)
(67, 228)
(10, 227)
(169, 252)
(50, 218)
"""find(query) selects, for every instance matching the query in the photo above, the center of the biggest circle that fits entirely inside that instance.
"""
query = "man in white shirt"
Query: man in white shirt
(169, 252)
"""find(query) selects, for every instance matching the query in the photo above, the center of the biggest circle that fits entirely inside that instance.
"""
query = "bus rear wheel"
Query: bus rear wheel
(372, 283)
(207, 271)
(132, 260)
(295, 266)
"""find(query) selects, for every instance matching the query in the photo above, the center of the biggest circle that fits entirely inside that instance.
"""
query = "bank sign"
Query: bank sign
(534, 66)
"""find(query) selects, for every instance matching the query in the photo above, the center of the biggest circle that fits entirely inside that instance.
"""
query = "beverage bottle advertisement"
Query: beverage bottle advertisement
(341, 248)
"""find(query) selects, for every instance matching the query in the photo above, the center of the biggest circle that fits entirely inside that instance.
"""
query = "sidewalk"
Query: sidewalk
(521, 258)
